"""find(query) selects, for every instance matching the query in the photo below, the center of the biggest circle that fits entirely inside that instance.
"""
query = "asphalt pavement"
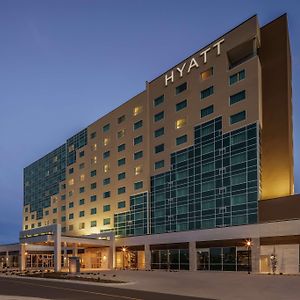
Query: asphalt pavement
(77, 291)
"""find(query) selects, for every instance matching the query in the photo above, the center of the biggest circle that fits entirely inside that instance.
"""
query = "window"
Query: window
(71, 148)
(93, 161)
(237, 77)
(180, 123)
(138, 185)
(207, 148)
(121, 176)
(238, 199)
(71, 182)
(82, 177)
(182, 175)
(159, 164)
(138, 155)
(207, 111)
(71, 204)
(106, 194)
(238, 138)
(137, 140)
(106, 221)
(237, 97)
(138, 125)
(71, 227)
(106, 168)
(121, 119)
(181, 105)
(238, 158)
(94, 147)
(159, 116)
(159, 100)
(81, 189)
(93, 198)
(207, 73)
(63, 197)
(93, 185)
(121, 147)
(106, 207)
(81, 202)
(207, 92)
(106, 141)
(121, 190)
(71, 216)
(81, 225)
(93, 211)
(181, 192)
(71, 170)
(93, 173)
(237, 117)
(159, 132)
(137, 110)
(81, 153)
(138, 170)
(206, 130)
(106, 154)
(106, 181)
(93, 135)
(208, 186)
(159, 148)
(238, 179)
(121, 133)
(121, 204)
(181, 88)
(106, 128)
(54, 211)
(81, 213)
(209, 167)
(181, 140)
(93, 223)
(159, 181)
(121, 161)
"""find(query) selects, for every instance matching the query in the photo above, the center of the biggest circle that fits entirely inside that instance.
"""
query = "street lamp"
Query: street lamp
(248, 245)
(123, 250)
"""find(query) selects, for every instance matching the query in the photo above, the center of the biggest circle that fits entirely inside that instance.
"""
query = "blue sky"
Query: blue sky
(65, 63)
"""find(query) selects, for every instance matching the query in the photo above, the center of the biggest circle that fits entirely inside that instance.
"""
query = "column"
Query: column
(7, 259)
(22, 257)
(255, 254)
(57, 249)
(112, 255)
(147, 257)
(65, 255)
(74, 250)
(192, 256)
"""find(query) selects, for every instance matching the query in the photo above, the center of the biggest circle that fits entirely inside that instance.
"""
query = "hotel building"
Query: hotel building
(181, 175)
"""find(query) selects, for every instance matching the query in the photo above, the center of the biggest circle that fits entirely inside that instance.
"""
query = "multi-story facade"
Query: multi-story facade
(181, 173)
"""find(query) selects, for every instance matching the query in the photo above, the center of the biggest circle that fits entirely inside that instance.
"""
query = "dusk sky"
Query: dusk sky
(64, 64)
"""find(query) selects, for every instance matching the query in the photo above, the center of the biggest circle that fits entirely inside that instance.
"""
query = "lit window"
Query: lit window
(106, 141)
(121, 133)
(71, 148)
(180, 123)
(137, 110)
(106, 168)
(71, 182)
(94, 160)
(82, 177)
(138, 170)
(94, 147)
(207, 73)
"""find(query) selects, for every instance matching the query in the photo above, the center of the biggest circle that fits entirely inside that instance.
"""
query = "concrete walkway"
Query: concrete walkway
(215, 285)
